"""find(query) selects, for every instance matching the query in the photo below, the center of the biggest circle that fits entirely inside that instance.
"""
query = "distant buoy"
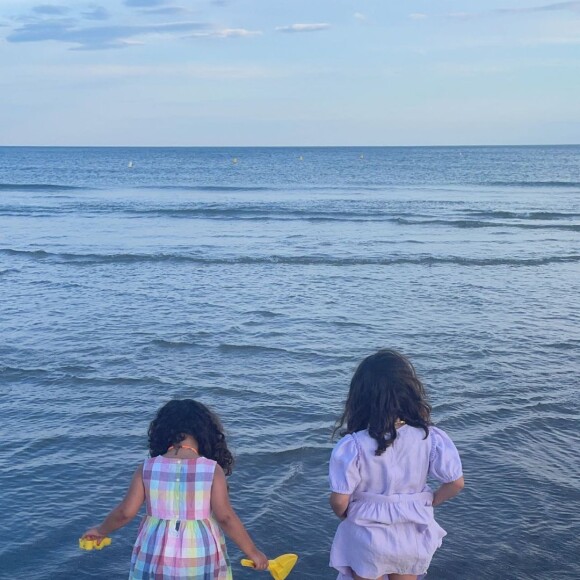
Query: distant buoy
(130, 164)
(301, 158)
(235, 160)
(362, 156)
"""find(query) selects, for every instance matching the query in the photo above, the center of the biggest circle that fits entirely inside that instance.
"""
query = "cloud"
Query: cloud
(303, 27)
(119, 72)
(227, 33)
(96, 13)
(144, 3)
(50, 10)
(359, 16)
(463, 15)
(573, 6)
(418, 16)
(94, 37)
(500, 68)
(468, 70)
(551, 41)
(166, 11)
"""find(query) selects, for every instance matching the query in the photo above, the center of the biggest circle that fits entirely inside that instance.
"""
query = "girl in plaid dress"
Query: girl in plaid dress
(184, 488)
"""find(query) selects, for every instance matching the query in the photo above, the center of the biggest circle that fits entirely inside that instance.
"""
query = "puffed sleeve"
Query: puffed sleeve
(444, 461)
(344, 466)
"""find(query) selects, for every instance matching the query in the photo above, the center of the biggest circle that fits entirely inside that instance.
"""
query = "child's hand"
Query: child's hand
(260, 560)
(94, 534)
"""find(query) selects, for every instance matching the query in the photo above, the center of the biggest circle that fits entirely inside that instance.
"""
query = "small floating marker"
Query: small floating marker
(130, 164)
(362, 156)
(234, 160)
(301, 158)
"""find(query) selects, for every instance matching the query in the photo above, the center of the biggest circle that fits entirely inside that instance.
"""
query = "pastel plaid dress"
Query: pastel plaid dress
(179, 538)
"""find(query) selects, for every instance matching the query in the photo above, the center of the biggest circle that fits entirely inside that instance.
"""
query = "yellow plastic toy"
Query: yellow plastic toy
(279, 567)
(90, 544)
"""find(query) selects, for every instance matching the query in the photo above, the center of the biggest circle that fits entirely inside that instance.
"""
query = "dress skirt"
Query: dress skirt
(173, 549)
(386, 535)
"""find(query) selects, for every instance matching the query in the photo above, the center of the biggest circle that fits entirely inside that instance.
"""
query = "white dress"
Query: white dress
(390, 527)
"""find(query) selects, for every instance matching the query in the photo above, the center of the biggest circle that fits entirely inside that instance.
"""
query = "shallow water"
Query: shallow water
(256, 286)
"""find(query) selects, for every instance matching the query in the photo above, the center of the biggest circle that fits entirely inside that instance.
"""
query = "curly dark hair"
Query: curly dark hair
(384, 388)
(182, 417)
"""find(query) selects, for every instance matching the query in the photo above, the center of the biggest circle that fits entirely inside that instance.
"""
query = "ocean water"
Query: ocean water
(256, 280)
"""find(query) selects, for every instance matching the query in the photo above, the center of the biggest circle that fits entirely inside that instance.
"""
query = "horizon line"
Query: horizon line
(482, 145)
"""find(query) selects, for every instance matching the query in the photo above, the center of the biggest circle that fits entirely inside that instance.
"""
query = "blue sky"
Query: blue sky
(289, 72)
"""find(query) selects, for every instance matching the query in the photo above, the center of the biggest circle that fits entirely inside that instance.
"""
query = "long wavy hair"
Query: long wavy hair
(384, 388)
(182, 417)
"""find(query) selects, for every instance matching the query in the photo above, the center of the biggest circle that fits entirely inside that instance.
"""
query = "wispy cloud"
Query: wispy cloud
(96, 13)
(471, 70)
(359, 16)
(551, 41)
(166, 11)
(50, 10)
(463, 15)
(418, 16)
(226, 33)
(118, 72)
(304, 27)
(95, 37)
(144, 3)
(503, 68)
(572, 6)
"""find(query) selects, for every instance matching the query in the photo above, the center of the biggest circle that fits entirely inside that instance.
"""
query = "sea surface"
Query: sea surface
(256, 279)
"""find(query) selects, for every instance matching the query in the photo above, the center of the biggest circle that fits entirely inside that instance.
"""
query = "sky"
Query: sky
(289, 72)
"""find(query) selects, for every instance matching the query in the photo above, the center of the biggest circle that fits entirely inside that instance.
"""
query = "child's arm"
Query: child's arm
(339, 503)
(447, 491)
(125, 511)
(230, 523)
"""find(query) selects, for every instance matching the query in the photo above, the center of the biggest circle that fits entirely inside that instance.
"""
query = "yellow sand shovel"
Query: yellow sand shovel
(279, 567)
(88, 543)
